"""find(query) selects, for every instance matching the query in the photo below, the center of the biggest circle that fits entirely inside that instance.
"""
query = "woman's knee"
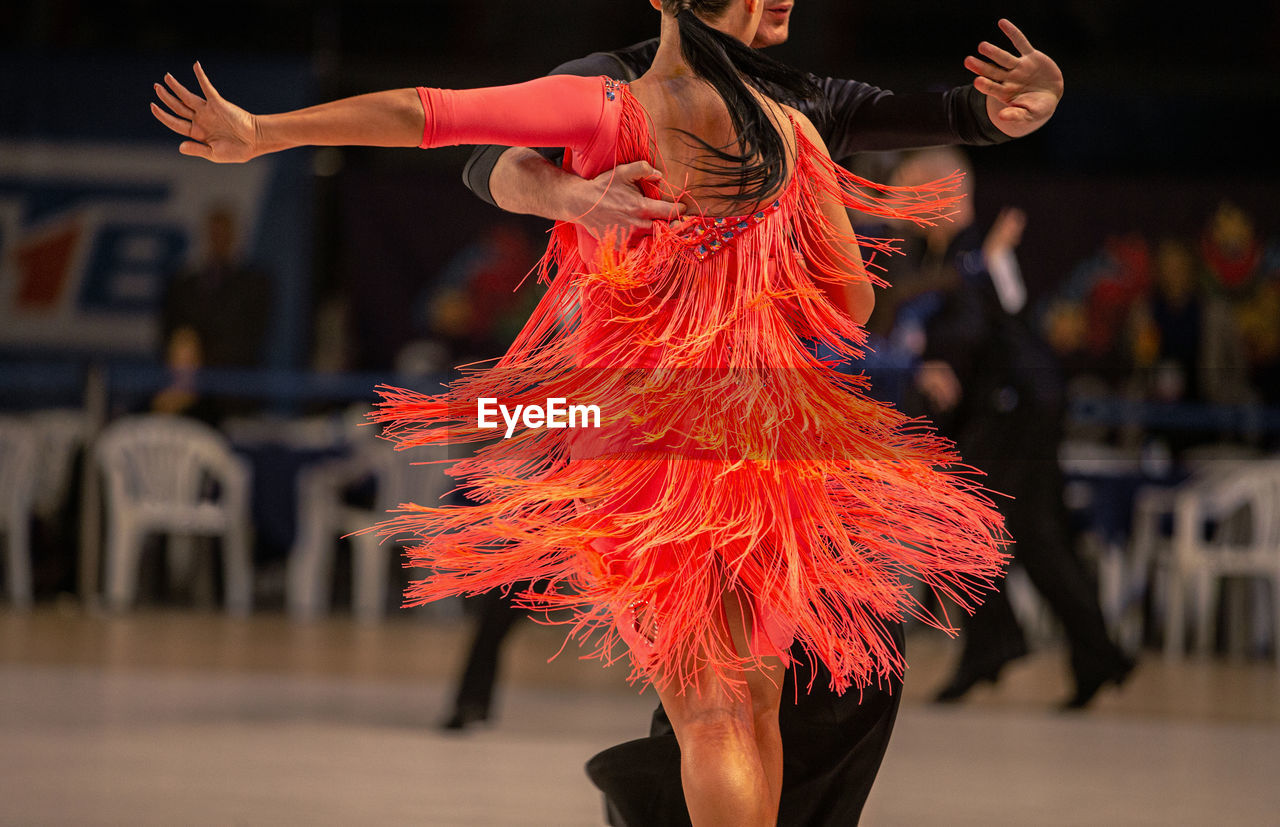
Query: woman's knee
(765, 689)
(718, 722)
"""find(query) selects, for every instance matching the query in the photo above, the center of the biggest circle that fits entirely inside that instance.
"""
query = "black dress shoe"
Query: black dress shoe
(464, 717)
(1089, 686)
(964, 680)
(967, 677)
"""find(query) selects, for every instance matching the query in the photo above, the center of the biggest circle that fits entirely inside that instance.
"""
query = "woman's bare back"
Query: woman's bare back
(685, 106)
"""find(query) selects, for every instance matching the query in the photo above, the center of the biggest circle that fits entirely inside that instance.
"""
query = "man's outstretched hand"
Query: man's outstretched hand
(1022, 90)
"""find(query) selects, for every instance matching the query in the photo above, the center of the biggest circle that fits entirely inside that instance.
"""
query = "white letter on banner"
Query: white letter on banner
(534, 416)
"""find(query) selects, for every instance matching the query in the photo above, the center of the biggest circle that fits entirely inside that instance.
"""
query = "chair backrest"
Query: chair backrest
(403, 476)
(60, 435)
(416, 476)
(18, 463)
(163, 459)
(1245, 506)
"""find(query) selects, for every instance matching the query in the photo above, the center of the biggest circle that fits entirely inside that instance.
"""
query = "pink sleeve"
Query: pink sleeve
(553, 111)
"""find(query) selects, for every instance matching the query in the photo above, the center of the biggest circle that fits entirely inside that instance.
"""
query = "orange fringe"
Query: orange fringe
(729, 458)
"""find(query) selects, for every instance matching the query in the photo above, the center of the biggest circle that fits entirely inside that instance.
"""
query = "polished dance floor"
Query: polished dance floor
(174, 716)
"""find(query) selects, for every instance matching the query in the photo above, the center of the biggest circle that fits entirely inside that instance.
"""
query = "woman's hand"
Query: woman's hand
(215, 129)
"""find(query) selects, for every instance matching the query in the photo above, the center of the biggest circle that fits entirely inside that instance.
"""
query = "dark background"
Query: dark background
(1167, 110)
(1150, 87)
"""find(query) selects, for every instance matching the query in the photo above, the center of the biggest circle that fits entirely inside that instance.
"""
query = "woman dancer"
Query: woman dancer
(739, 494)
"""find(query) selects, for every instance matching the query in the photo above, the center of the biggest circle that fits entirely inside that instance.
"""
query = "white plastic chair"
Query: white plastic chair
(324, 517)
(176, 477)
(1150, 545)
(61, 433)
(18, 465)
(1226, 525)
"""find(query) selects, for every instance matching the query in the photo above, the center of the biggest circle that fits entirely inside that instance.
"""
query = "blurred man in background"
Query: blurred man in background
(972, 316)
(215, 315)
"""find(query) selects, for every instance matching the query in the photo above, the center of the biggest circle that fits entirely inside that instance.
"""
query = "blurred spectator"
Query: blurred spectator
(1180, 321)
(1169, 327)
(1086, 322)
(1237, 266)
(894, 355)
(215, 315)
(1185, 342)
(1006, 421)
(481, 298)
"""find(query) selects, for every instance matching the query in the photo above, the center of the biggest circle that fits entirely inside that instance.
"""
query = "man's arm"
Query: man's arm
(865, 118)
(523, 181)
(1011, 96)
(1022, 91)
(531, 181)
(478, 172)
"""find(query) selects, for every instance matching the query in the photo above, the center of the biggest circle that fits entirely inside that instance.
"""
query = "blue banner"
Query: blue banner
(98, 209)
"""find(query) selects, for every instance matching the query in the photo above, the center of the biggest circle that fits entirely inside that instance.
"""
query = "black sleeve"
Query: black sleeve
(861, 118)
(955, 333)
(483, 159)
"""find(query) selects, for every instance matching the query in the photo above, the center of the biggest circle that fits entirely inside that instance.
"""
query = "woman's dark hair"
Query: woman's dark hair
(728, 64)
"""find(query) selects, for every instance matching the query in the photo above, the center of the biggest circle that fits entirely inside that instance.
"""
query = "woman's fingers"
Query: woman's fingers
(205, 85)
(189, 98)
(176, 106)
(215, 129)
(182, 127)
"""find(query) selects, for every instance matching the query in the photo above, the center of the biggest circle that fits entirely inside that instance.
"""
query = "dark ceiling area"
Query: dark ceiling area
(1148, 88)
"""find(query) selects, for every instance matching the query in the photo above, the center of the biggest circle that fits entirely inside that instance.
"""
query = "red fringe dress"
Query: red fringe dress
(727, 458)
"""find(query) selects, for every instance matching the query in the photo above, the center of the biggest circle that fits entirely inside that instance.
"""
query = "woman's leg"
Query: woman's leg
(730, 746)
(765, 687)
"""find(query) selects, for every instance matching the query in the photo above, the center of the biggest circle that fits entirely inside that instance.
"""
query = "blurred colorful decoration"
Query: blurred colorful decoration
(1089, 316)
(483, 295)
(1239, 265)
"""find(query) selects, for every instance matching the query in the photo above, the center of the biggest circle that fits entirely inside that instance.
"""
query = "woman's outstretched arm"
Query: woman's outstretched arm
(220, 131)
(553, 111)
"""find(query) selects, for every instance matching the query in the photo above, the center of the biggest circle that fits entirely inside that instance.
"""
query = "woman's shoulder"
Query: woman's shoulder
(803, 123)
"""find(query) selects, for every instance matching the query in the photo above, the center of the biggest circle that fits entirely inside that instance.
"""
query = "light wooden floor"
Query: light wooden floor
(181, 717)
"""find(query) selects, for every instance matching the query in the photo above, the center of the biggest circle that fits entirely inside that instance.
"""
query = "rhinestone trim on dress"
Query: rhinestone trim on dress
(709, 235)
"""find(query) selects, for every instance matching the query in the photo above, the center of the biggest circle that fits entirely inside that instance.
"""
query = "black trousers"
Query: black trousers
(832, 748)
(493, 623)
(1025, 466)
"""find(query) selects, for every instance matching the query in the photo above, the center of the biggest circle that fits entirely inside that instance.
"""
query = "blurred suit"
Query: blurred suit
(1008, 424)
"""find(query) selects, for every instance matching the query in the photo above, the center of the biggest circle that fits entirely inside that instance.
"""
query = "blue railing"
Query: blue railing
(28, 383)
